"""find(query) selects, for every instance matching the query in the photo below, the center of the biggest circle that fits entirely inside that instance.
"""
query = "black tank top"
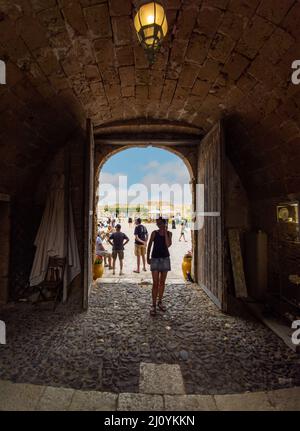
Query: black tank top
(159, 248)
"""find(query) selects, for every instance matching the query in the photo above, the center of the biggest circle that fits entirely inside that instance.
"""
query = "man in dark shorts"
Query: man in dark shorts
(159, 262)
(141, 238)
(118, 240)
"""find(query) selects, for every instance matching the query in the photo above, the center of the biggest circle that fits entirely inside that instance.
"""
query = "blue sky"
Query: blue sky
(145, 166)
(132, 162)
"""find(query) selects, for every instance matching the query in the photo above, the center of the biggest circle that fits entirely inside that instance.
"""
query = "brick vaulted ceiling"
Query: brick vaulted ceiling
(68, 60)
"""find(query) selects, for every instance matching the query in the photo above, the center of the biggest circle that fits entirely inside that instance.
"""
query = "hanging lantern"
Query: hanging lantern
(151, 26)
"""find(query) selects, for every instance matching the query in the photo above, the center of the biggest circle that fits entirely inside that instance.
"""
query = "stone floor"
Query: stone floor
(27, 397)
(104, 348)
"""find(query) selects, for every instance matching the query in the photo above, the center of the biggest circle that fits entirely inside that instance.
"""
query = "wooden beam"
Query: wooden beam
(148, 127)
(147, 139)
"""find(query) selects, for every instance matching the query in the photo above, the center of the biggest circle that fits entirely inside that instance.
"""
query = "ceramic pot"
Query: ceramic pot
(98, 270)
(186, 266)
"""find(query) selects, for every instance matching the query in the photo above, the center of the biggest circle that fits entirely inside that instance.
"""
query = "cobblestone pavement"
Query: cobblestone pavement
(103, 348)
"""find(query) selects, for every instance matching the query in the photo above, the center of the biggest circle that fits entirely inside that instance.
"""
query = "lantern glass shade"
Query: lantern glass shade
(147, 13)
(151, 24)
(149, 32)
(165, 27)
(137, 23)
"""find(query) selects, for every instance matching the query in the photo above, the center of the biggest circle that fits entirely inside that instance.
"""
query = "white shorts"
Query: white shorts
(104, 253)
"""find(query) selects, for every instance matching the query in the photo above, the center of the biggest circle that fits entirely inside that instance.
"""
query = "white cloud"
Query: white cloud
(168, 173)
(151, 165)
(108, 178)
(174, 174)
(112, 188)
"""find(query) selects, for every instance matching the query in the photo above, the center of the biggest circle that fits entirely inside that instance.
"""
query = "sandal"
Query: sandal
(153, 311)
(161, 306)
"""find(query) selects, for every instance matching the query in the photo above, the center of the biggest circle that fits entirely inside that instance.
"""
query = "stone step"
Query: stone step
(28, 397)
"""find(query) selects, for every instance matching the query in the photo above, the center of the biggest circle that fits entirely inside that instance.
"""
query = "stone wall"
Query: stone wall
(25, 218)
(68, 161)
(248, 214)
(4, 249)
(283, 246)
(27, 211)
(71, 60)
(68, 61)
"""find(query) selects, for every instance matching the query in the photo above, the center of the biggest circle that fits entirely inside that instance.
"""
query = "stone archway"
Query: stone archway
(186, 153)
(205, 161)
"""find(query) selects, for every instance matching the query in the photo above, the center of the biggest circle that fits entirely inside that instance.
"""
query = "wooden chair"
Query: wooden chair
(54, 279)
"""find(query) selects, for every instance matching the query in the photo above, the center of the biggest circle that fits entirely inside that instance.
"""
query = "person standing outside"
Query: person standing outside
(118, 240)
(173, 223)
(141, 239)
(183, 232)
(159, 262)
(101, 252)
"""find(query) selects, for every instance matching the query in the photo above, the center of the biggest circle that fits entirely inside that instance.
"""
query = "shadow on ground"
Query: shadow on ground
(102, 349)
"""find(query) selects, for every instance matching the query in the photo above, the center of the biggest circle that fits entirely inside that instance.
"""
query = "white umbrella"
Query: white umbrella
(50, 239)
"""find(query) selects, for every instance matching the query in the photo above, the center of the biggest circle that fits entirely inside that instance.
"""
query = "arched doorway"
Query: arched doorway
(204, 159)
(145, 182)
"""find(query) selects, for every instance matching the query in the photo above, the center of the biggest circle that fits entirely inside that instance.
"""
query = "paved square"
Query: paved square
(140, 402)
(177, 251)
(161, 379)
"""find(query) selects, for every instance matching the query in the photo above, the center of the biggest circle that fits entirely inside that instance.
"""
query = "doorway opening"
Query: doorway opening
(144, 183)
(204, 161)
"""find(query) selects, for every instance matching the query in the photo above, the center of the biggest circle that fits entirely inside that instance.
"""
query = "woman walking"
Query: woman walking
(159, 262)
(183, 232)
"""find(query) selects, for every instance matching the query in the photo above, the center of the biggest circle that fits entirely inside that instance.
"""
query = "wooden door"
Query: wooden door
(88, 213)
(211, 241)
